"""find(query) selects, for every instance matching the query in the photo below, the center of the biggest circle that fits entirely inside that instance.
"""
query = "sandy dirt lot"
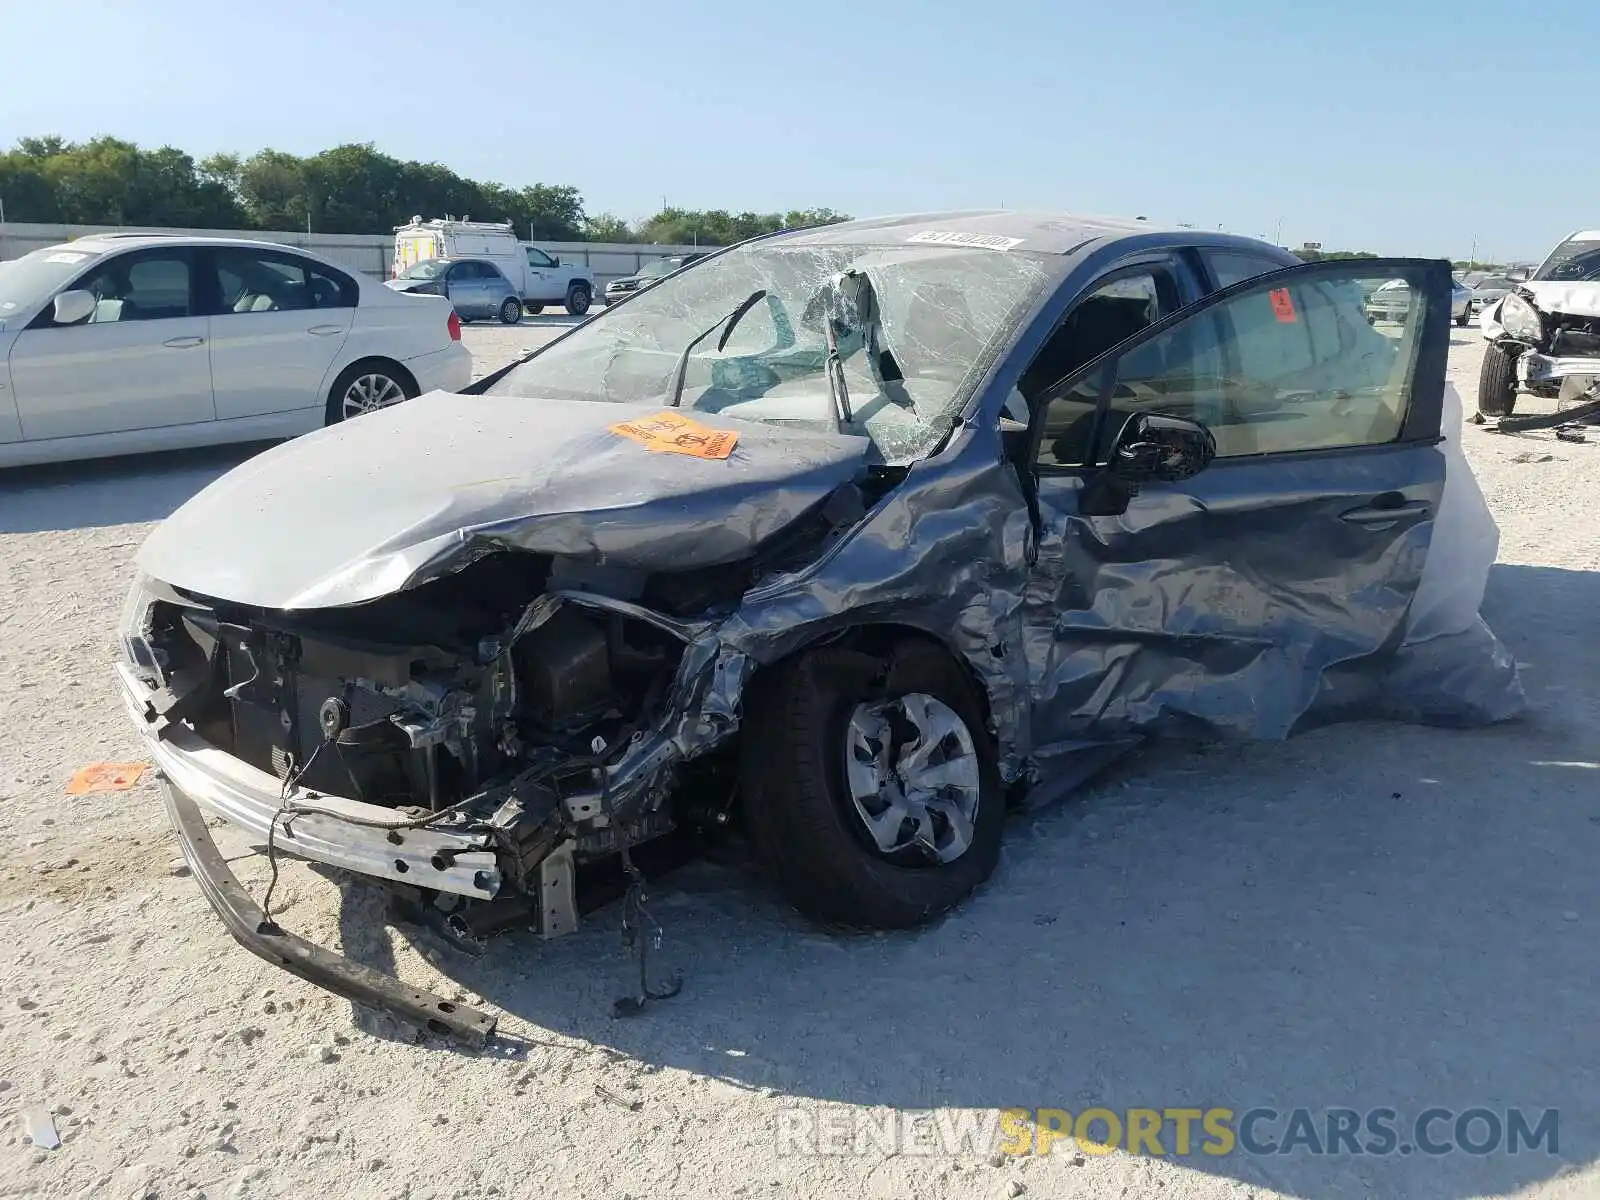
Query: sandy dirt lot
(1369, 916)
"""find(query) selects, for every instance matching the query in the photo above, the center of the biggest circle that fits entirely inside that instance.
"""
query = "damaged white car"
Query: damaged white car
(853, 536)
(1544, 337)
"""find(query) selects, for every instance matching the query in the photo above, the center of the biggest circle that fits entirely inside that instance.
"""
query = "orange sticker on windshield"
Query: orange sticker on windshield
(1282, 305)
(674, 433)
(106, 777)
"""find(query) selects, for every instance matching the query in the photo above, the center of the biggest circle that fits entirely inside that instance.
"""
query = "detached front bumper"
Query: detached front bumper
(199, 777)
(1535, 368)
(250, 927)
(222, 786)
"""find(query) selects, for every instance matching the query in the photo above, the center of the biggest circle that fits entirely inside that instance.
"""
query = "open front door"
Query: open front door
(1217, 604)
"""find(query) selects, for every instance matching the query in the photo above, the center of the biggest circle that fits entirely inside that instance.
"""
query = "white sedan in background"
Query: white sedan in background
(127, 343)
(1390, 301)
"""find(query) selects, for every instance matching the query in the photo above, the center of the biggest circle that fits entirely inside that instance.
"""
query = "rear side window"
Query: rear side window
(1230, 267)
(253, 281)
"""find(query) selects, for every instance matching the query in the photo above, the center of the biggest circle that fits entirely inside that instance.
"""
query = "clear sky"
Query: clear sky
(1403, 126)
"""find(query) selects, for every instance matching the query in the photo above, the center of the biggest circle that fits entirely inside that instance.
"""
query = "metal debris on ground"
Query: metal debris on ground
(606, 1093)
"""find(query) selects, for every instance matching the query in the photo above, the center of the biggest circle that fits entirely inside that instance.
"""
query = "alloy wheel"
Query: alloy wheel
(368, 393)
(914, 778)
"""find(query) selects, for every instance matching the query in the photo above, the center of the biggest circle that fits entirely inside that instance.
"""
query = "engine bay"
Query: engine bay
(452, 696)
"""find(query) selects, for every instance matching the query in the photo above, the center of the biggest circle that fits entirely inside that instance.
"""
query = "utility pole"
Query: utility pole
(1472, 259)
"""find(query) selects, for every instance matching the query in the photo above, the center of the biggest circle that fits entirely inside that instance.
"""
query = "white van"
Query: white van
(540, 278)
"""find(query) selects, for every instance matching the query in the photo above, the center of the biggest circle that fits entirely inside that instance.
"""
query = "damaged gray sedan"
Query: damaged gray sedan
(854, 536)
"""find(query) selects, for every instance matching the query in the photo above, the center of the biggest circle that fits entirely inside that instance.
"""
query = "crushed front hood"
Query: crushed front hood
(1574, 299)
(404, 495)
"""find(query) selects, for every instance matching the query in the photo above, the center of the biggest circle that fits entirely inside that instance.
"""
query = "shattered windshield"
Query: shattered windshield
(661, 266)
(1576, 259)
(909, 323)
(430, 269)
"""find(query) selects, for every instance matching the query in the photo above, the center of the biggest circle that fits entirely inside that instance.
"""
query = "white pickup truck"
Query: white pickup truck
(539, 277)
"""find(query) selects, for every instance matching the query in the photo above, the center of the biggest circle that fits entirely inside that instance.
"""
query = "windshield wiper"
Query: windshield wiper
(731, 320)
(835, 371)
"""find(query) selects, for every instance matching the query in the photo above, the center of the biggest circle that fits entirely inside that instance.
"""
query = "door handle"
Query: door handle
(325, 330)
(1386, 510)
(184, 343)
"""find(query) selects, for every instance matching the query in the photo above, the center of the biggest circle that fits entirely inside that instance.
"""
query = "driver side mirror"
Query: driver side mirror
(1151, 448)
(555, 260)
(1157, 448)
(72, 307)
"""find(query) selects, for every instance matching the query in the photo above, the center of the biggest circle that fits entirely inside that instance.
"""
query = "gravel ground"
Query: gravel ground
(1367, 916)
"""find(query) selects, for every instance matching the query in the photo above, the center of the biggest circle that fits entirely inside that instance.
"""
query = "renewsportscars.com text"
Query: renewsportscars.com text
(1168, 1132)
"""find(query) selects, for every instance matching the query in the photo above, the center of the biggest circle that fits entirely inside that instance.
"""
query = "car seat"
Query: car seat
(1097, 325)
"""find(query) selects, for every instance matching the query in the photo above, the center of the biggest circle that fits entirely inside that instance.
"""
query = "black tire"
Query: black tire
(1497, 382)
(535, 309)
(510, 311)
(796, 802)
(378, 367)
(579, 298)
(1466, 315)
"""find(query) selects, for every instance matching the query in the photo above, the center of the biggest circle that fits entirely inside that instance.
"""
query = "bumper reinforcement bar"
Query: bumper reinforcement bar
(250, 928)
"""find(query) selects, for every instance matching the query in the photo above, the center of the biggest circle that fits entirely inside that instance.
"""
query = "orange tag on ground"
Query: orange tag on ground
(675, 433)
(1282, 305)
(106, 777)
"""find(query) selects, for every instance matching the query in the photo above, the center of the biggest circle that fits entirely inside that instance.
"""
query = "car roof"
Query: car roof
(111, 243)
(123, 241)
(1063, 234)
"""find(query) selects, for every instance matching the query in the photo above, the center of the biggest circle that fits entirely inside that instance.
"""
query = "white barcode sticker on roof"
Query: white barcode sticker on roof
(952, 237)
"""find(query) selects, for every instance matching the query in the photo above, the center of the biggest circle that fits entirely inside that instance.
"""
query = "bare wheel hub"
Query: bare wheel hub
(913, 776)
(368, 393)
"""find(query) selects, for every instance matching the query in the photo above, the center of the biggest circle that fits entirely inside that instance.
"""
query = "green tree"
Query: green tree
(275, 191)
(353, 188)
(717, 227)
(28, 192)
(1332, 255)
(550, 212)
(607, 227)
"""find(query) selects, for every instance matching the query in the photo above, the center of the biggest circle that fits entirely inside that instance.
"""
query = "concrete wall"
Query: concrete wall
(371, 254)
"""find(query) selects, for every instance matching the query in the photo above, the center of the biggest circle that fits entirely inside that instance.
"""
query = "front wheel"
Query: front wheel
(1497, 382)
(578, 298)
(366, 387)
(870, 785)
(510, 311)
(1466, 315)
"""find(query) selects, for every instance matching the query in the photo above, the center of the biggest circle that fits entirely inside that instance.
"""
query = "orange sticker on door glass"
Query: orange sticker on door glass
(674, 433)
(1282, 305)
(106, 777)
